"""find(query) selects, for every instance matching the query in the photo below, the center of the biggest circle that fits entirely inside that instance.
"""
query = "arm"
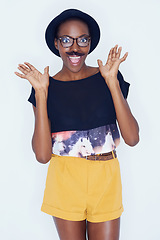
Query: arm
(127, 123)
(41, 141)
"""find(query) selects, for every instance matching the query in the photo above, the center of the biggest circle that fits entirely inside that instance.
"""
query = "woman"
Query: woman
(75, 129)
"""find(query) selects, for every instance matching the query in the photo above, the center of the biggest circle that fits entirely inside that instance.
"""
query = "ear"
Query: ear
(56, 43)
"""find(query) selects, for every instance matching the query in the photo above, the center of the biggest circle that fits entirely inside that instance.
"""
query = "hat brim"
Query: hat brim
(50, 33)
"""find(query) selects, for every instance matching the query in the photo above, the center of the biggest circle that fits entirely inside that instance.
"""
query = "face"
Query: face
(73, 57)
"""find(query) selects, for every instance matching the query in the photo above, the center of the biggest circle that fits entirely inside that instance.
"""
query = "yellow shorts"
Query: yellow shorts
(78, 189)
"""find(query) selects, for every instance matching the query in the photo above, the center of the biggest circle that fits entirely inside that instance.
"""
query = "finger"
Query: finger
(109, 56)
(114, 51)
(124, 57)
(24, 67)
(100, 64)
(23, 70)
(46, 70)
(30, 66)
(119, 52)
(20, 75)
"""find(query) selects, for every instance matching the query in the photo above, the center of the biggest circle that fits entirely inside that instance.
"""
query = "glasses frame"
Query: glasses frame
(89, 38)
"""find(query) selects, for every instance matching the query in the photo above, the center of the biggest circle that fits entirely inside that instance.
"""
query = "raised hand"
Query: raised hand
(37, 79)
(110, 69)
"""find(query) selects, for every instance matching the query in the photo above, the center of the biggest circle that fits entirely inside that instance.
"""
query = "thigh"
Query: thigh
(108, 230)
(104, 198)
(70, 230)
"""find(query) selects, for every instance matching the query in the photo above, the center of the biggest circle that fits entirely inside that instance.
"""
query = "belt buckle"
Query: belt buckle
(98, 155)
(94, 156)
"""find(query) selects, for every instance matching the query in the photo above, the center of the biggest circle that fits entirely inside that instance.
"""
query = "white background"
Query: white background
(134, 25)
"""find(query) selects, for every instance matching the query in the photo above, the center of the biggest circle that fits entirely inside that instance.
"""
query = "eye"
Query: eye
(84, 39)
(65, 39)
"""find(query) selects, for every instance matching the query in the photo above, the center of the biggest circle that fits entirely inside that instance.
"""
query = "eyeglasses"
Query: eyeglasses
(67, 41)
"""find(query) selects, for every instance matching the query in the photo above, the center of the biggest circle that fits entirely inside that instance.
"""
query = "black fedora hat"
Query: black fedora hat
(50, 33)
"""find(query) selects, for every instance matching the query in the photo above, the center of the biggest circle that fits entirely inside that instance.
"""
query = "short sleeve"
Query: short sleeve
(123, 84)
(31, 98)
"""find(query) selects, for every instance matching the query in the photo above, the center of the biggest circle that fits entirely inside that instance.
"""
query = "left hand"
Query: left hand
(110, 70)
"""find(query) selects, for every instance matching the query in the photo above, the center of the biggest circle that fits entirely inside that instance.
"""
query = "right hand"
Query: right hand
(38, 80)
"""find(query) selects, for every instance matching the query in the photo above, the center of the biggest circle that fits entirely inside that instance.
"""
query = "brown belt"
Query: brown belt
(102, 156)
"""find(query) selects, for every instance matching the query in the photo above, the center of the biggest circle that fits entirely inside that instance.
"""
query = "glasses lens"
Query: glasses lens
(66, 41)
(83, 41)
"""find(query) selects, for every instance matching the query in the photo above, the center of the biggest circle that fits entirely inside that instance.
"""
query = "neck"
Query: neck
(66, 74)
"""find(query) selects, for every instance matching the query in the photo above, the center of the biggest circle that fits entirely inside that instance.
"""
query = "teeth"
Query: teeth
(75, 57)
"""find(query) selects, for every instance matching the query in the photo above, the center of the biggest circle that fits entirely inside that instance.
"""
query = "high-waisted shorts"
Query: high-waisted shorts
(77, 189)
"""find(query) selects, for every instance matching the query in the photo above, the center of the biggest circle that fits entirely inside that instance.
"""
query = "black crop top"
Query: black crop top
(80, 104)
(82, 111)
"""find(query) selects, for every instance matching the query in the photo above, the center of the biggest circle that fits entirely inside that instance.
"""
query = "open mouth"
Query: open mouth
(75, 60)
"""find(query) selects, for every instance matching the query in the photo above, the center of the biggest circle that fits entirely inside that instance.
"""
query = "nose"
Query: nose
(75, 46)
